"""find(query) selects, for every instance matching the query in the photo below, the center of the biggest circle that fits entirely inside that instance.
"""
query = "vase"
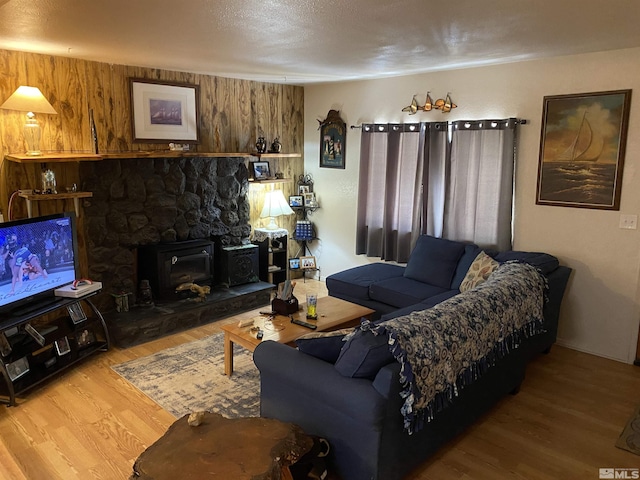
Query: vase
(261, 145)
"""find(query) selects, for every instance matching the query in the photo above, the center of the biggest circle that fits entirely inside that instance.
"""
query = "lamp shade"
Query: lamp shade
(28, 99)
(274, 206)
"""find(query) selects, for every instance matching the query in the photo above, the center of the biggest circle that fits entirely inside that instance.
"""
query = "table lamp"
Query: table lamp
(30, 100)
(274, 206)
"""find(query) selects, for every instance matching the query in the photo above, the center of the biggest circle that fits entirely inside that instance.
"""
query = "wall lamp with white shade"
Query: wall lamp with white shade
(32, 101)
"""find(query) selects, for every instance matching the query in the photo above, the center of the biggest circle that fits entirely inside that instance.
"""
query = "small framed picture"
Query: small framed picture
(76, 313)
(296, 200)
(294, 264)
(85, 337)
(302, 189)
(62, 346)
(10, 332)
(5, 346)
(260, 170)
(18, 368)
(310, 200)
(308, 263)
(35, 334)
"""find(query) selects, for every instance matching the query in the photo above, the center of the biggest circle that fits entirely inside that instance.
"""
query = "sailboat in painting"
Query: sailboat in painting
(586, 146)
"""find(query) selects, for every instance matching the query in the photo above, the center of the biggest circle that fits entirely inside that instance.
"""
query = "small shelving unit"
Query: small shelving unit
(64, 341)
(273, 261)
(303, 211)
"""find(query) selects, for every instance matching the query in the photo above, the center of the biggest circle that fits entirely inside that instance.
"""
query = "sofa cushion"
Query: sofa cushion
(355, 282)
(481, 268)
(363, 355)
(402, 291)
(428, 303)
(434, 261)
(543, 261)
(323, 345)
(470, 253)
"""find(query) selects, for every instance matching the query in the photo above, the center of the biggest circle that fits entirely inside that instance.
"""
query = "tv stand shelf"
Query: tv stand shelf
(38, 343)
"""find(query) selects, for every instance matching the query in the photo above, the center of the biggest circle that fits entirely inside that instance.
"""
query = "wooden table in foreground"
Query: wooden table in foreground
(221, 448)
(333, 314)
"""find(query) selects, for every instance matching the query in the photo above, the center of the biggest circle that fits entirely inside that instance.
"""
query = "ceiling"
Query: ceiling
(308, 41)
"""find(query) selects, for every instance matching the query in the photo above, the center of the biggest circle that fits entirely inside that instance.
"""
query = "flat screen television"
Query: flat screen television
(37, 255)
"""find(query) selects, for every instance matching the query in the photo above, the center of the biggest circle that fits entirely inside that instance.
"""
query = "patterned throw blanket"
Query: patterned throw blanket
(448, 346)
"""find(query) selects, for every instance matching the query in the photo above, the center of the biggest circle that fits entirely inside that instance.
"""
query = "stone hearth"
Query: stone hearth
(142, 324)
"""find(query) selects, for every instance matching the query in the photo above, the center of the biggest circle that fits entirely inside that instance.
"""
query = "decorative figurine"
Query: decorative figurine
(145, 297)
(261, 145)
(276, 146)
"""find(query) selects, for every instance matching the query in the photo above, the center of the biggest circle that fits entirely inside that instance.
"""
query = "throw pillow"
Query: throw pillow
(363, 355)
(481, 268)
(323, 345)
(471, 251)
(434, 261)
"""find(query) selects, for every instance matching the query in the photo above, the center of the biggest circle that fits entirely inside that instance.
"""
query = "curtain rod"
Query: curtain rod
(518, 121)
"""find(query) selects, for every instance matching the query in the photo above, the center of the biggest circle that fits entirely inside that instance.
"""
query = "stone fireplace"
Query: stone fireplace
(138, 202)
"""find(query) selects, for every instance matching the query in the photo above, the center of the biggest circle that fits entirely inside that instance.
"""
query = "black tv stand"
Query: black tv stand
(36, 306)
(44, 338)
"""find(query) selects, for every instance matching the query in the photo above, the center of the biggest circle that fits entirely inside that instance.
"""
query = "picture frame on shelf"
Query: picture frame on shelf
(308, 263)
(260, 170)
(76, 313)
(18, 368)
(310, 200)
(164, 111)
(85, 337)
(294, 264)
(30, 329)
(582, 149)
(296, 201)
(62, 346)
(5, 346)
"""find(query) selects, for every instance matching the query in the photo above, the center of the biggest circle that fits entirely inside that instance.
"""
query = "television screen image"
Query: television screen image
(37, 255)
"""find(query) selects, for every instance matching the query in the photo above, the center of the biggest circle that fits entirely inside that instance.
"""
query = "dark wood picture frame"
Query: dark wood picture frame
(163, 112)
(333, 141)
(260, 170)
(582, 147)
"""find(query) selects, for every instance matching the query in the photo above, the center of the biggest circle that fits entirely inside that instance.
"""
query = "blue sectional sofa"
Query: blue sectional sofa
(348, 389)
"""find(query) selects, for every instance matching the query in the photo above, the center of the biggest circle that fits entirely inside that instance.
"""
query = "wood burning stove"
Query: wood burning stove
(168, 265)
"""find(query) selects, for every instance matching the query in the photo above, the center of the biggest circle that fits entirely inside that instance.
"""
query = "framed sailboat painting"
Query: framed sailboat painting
(582, 148)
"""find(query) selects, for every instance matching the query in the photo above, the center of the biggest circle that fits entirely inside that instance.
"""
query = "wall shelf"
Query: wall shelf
(39, 197)
(92, 157)
(269, 181)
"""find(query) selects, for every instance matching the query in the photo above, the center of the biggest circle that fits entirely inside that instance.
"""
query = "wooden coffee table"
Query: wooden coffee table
(333, 314)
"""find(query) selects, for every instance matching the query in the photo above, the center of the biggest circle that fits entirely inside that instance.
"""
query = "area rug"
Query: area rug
(630, 437)
(190, 377)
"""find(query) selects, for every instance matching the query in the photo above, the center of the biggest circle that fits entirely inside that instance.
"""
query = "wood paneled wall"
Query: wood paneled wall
(233, 113)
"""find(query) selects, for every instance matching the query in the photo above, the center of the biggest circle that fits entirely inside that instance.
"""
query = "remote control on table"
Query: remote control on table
(304, 324)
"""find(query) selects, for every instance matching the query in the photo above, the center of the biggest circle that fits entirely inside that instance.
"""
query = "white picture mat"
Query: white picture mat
(143, 93)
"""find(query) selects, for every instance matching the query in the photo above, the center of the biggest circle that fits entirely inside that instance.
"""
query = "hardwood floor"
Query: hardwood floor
(89, 423)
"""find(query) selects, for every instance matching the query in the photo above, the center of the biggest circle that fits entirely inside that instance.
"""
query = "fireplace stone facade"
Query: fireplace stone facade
(154, 200)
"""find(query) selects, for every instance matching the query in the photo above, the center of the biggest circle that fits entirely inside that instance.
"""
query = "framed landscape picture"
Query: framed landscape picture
(582, 146)
(164, 112)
